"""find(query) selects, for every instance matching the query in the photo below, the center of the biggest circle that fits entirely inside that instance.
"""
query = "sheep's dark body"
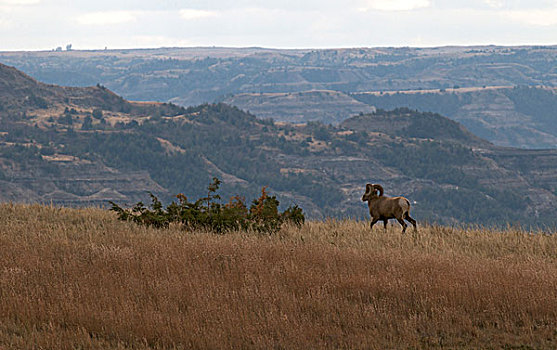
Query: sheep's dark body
(383, 208)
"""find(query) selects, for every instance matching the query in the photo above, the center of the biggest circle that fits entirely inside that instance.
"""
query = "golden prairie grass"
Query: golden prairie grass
(80, 279)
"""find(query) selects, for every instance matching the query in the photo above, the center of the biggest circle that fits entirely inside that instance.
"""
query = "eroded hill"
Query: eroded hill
(519, 116)
(326, 106)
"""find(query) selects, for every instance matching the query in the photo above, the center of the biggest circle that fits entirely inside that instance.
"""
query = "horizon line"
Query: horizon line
(217, 47)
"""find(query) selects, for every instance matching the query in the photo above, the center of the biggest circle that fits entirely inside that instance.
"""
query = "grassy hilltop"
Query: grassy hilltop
(82, 279)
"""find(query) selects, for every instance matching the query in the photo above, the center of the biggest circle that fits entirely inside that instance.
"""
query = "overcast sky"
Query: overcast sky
(96, 24)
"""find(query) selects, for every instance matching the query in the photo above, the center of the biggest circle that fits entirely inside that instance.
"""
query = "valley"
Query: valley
(83, 146)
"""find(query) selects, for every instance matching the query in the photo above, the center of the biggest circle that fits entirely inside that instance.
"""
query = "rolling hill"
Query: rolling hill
(99, 147)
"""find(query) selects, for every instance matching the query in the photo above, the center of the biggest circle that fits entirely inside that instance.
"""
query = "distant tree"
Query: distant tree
(97, 113)
(321, 133)
(66, 119)
(70, 111)
(87, 123)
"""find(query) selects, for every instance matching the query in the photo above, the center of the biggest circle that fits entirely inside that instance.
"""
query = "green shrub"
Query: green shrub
(206, 212)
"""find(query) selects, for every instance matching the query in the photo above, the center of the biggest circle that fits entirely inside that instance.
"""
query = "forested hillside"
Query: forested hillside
(78, 153)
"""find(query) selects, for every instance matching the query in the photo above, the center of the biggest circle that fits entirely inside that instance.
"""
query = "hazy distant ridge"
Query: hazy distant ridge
(190, 76)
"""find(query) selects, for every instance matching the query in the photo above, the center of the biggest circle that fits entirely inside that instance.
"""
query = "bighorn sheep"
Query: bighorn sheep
(385, 208)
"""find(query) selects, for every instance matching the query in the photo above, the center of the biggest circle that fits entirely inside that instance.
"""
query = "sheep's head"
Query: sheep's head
(371, 192)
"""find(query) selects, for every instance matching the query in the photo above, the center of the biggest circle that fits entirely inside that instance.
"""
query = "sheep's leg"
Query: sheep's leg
(401, 221)
(373, 221)
(385, 224)
(412, 221)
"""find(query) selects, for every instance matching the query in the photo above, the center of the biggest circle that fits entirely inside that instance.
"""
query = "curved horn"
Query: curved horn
(380, 188)
(368, 188)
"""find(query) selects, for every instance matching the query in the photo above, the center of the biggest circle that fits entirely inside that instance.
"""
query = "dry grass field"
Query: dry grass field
(80, 279)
